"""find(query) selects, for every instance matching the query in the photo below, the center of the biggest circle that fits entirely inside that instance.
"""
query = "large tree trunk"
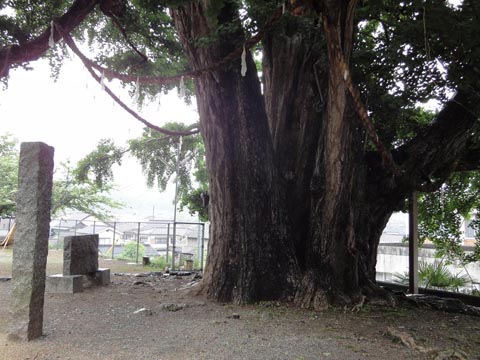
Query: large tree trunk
(318, 147)
(249, 257)
(293, 188)
(339, 197)
(295, 78)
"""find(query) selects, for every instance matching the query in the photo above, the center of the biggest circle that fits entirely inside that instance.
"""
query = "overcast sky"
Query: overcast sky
(73, 114)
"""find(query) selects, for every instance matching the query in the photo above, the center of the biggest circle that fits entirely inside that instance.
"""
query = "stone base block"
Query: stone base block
(64, 284)
(102, 277)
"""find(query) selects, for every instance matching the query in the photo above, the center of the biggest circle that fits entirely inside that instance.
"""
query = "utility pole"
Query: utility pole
(175, 202)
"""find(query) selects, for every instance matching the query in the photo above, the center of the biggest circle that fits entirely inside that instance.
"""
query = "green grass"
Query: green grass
(55, 263)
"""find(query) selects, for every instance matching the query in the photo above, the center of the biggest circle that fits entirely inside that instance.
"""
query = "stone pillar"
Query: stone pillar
(30, 249)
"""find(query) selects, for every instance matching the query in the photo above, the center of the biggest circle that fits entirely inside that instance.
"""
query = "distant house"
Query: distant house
(469, 231)
(71, 224)
(106, 234)
(159, 235)
(396, 230)
(6, 224)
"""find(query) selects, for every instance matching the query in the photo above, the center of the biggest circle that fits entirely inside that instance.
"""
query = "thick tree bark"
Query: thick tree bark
(338, 197)
(303, 149)
(317, 151)
(249, 256)
(294, 77)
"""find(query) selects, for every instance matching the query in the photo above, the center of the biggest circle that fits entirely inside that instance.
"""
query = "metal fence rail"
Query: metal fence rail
(178, 244)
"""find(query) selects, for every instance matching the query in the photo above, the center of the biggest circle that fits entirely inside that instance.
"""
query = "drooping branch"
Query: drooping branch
(160, 80)
(69, 41)
(32, 50)
(115, 10)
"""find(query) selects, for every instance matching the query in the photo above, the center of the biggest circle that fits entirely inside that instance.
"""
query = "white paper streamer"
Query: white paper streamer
(102, 81)
(243, 71)
(182, 87)
(136, 95)
(159, 103)
(51, 41)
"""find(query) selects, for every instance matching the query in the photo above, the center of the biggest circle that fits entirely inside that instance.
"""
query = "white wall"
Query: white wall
(392, 259)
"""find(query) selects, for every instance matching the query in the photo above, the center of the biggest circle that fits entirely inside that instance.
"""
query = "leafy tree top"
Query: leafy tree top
(404, 53)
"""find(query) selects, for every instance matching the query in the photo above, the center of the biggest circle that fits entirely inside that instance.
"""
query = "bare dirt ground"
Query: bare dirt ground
(156, 317)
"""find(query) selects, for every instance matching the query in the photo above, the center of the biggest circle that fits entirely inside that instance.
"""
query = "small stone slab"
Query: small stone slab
(102, 277)
(64, 284)
(80, 255)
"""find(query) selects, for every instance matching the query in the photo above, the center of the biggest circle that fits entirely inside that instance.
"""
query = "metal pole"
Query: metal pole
(203, 247)
(173, 243)
(413, 244)
(168, 240)
(199, 242)
(113, 243)
(75, 230)
(138, 241)
(59, 225)
(94, 223)
(175, 202)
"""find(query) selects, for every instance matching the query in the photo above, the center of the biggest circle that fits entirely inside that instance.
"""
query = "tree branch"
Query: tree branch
(435, 153)
(470, 160)
(34, 49)
(69, 41)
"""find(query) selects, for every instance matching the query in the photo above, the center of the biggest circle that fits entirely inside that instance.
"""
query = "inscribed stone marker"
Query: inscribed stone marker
(80, 254)
(30, 249)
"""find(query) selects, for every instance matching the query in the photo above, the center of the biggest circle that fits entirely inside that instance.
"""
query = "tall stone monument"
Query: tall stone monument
(31, 240)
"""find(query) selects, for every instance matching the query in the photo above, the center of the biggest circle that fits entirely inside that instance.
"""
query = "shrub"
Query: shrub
(158, 262)
(130, 251)
(435, 275)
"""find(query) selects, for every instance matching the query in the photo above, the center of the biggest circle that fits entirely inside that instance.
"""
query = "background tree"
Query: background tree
(69, 192)
(9, 171)
(158, 154)
(443, 215)
(307, 163)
